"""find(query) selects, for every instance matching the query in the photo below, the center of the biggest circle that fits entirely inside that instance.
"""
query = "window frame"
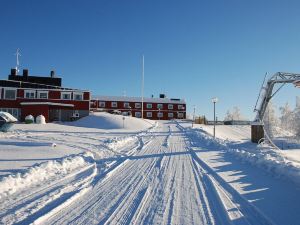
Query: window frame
(170, 106)
(64, 93)
(138, 113)
(180, 107)
(102, 104)
(114, 104)
(148, 104)
(9, 89)
(42, 92)
(160, 106)
(178, 115)
(126, 105)
(149, 115)
(160, 115)
(170, 115)
(77, 93)
(137, 105)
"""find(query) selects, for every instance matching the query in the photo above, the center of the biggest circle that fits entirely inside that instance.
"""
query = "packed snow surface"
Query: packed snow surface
(94, 171)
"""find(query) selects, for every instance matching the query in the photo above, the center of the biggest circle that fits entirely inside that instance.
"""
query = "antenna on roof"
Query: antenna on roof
(17, 54)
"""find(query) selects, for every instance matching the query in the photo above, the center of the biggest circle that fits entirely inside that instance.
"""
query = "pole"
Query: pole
(214, 120)
(143, 70)
(193, 118)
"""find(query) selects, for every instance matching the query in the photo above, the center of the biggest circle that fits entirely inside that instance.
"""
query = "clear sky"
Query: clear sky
(193, 49)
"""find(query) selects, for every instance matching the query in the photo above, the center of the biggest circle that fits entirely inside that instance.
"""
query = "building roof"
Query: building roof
(139, 99)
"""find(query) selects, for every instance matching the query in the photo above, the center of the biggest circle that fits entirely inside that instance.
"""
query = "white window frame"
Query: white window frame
(102, 104)
(78, 93)
(42, 92)
(138, 114)
(10, 89)
(160, 114)
(29, 92)
(149, 106)
(138, 105)
(126, 105)
(160, 106)
(149, 114)
(180, 107)
(170, 106)
(66, 93)
(180, 115)
(114, 104)
(171, 115)
(1, 93)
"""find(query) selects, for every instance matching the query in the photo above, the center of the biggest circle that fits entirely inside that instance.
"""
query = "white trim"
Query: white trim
(102, 104)
(42, 92)
(114, 104)
(171, 115)
(160, 104)
(46, 103)
(15, 89)
(160, 114)
(126, 105)
(149, 115)
(148, 104)
(137, 103)
(170, 106)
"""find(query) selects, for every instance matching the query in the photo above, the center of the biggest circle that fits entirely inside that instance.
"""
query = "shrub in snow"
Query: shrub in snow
(29, 119)
(270, 120)
(40, 119)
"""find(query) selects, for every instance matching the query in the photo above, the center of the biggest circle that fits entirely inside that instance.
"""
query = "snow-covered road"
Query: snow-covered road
(159, 179)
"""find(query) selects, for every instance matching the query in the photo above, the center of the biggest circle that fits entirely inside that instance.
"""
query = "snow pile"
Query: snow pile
(40, 119)
(102, 120)
(119, 142)
(268, 159)
(43, 172)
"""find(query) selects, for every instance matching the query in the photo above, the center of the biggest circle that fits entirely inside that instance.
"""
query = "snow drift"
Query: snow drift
(42, 172)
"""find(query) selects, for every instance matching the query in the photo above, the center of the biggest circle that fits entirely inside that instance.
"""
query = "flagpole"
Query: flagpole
(143, 75)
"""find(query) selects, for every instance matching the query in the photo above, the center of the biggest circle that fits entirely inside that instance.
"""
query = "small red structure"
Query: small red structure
(154, 108)
(22, 95)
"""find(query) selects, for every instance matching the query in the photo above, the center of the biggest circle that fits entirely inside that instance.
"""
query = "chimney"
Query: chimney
(162, 96)
(13, 72)
(52, 74)
(25, 73)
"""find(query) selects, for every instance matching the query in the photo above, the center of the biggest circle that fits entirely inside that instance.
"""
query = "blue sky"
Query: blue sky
(193, 49)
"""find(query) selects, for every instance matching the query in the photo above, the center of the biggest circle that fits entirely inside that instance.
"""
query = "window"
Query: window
(170, 106)
(180, 107)
(102, 104)
(137, 105)
(160, 106)
(66, 95)
(10, 94)
(43, 94)
(114, 104)
(180, 115)
(78, 96)
(126, 105)
(149, 114)
(138, 114)
(170, 115)
(160, 115)
(149, 106)
(13, 111)
(29, 94)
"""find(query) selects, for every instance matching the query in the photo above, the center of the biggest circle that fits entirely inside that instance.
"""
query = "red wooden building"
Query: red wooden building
(22, 95)
(154, 108)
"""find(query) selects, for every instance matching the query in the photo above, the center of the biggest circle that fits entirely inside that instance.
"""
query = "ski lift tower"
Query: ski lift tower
(266, 94)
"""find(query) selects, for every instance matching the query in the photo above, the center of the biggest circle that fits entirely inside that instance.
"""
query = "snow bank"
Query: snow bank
(119, 142)
(102, 120)
(271, 161)
(43, 172)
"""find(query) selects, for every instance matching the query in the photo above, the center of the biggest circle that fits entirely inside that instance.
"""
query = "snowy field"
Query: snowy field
(95, 171)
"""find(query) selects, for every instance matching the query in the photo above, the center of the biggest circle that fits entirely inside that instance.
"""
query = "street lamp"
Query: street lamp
(214, 100)
(193, 116)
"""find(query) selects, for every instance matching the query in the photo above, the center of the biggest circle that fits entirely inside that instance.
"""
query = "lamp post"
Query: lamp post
(214, 101)
(193, 116)
(158, 113)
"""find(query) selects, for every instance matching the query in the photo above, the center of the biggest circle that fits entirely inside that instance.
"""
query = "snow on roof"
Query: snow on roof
(8, 117)
(138, 99)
